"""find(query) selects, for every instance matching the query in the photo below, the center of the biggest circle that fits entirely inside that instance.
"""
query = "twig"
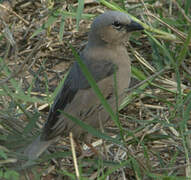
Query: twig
(182, 35)
(149, 78)
(13, 12)
(185, 68)
(29, 57)
(74, 156)
(141, 59)
(7, 161)
(149, 20)
(182, 11)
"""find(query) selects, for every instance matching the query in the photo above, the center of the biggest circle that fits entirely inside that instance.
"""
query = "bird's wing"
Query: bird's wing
(75, 81)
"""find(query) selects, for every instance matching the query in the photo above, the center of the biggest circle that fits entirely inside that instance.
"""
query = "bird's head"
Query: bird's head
(112, 27)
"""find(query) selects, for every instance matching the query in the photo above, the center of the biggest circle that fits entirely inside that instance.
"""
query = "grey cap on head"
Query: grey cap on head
(112, 17)
(111, 27)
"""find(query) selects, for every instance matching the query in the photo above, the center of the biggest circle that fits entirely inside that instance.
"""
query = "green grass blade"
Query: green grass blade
(61, 31)
(184, 49)
(79, 12)
(94, 86)
(51, 20)
(92, 130)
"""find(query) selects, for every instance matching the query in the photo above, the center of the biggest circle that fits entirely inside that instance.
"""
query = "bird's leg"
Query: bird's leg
(84, 153)
(94, 150)
(79, 147)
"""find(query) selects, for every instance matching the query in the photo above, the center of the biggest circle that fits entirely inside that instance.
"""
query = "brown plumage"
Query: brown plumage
(103, 53)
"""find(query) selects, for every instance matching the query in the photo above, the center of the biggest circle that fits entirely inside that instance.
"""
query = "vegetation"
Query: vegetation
(150, 137)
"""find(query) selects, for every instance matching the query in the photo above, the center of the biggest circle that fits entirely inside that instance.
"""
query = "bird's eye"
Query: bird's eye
(117, 25)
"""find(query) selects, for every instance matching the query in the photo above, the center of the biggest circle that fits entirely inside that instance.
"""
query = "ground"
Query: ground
(35, 55)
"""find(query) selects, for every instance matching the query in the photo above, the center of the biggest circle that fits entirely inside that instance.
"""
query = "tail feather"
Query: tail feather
(36, 148)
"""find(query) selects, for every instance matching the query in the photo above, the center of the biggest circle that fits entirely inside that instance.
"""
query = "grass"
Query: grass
(154, 118)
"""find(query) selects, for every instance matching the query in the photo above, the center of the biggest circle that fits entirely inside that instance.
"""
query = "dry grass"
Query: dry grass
(155, 116)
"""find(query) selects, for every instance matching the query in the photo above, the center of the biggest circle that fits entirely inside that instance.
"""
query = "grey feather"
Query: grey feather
(103, 53)
(36, 148)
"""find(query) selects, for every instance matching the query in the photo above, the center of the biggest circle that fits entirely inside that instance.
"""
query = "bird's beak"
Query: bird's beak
(134, 26)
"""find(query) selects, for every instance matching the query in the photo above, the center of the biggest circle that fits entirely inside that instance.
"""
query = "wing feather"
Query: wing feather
(74, 82)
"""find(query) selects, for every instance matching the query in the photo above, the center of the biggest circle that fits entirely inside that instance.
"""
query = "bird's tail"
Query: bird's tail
(36, 148)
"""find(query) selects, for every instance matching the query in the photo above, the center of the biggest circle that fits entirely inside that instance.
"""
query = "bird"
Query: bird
(103, 55)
